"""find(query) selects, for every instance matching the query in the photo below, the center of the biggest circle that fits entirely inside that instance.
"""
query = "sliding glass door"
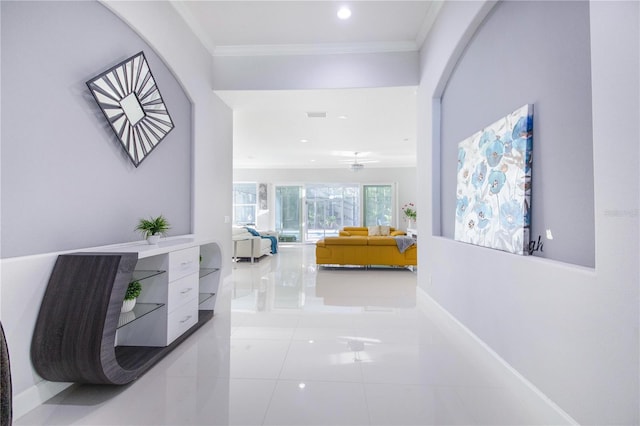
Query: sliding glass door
(289, 213)
(329, 208)
(377, 204)
(308, 213)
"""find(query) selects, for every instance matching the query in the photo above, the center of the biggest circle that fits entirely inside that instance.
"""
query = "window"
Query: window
(378, 204)
(244, 203)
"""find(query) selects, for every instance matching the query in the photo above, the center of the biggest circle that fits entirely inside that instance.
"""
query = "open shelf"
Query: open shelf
(143, 275)
(203, 297)
(140, 310)
(135, 357)
(206, 271)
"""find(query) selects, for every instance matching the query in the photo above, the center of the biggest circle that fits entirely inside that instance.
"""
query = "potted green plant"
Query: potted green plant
(133, 291)
(153, 228)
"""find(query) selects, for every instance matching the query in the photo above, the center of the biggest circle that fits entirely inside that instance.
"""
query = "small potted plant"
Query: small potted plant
(132, 293)
(153, 228)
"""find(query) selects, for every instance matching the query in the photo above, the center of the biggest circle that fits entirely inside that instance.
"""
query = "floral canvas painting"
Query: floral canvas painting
(494, 184)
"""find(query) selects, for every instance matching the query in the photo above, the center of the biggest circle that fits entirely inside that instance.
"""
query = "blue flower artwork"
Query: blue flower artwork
(494, 206)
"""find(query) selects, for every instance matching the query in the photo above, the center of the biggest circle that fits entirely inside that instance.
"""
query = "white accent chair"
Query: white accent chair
(243, 241)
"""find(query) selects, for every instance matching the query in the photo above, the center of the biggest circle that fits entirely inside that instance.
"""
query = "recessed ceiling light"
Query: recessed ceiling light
(344, 13)
(304, 140)
(342, 117)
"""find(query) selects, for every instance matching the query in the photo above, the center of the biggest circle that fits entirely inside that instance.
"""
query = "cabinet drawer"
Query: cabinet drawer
(183, 262)
(182, 290)
(181, 319)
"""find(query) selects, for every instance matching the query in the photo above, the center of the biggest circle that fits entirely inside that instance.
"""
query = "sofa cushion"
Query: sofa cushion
(351, 241)
(356, 230)
(379, 230)
(237, 230)
(383, 230)
(382, 241)
(374, 231)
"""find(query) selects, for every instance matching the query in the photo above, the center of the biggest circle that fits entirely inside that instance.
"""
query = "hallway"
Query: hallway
(306, 346)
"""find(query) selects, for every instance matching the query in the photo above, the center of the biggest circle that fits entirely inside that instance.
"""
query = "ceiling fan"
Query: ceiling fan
(357, 164)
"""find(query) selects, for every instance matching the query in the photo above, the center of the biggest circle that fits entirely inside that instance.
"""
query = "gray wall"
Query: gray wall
(571, 330)
(330, 71)
(536, 53)
(66, 183)
(24, 279)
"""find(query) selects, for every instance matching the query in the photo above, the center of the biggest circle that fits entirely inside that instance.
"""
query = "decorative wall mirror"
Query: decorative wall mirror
(130, 100)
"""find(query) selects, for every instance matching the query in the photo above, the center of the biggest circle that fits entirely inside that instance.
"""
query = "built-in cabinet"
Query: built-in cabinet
(81, 335)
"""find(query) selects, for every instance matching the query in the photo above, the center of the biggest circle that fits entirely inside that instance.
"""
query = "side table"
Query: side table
(412, 232)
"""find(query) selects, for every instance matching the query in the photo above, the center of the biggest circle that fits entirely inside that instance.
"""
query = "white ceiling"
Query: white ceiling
(269, 125)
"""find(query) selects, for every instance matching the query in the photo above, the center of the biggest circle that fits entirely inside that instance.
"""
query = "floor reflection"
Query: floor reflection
(291, 281)
(294, 344)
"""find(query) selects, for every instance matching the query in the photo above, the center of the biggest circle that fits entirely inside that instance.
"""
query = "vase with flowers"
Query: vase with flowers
(410, 214)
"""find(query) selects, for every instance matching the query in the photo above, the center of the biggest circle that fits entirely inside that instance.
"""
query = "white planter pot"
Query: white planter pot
(153, 239)
(126, 318)
(127, 305)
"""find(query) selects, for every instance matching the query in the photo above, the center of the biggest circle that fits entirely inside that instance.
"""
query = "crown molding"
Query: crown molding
(429, 19)
(192, 23)
(314, 49)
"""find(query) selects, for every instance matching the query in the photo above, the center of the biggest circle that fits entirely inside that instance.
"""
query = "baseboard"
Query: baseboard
(36, 395)
(424, 301)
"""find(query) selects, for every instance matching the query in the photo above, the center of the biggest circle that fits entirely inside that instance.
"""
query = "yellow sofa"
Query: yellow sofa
(355, 246)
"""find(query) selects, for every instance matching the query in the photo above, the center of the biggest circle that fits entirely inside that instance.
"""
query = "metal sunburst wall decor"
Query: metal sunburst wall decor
(130, 100)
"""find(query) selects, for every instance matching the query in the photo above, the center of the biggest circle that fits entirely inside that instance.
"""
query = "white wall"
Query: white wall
(403, 177)
(571, 331)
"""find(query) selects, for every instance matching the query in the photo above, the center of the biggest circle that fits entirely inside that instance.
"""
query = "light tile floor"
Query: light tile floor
(294, 344)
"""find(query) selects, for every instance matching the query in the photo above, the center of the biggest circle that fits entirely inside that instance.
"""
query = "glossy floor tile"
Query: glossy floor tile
(294, 344)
